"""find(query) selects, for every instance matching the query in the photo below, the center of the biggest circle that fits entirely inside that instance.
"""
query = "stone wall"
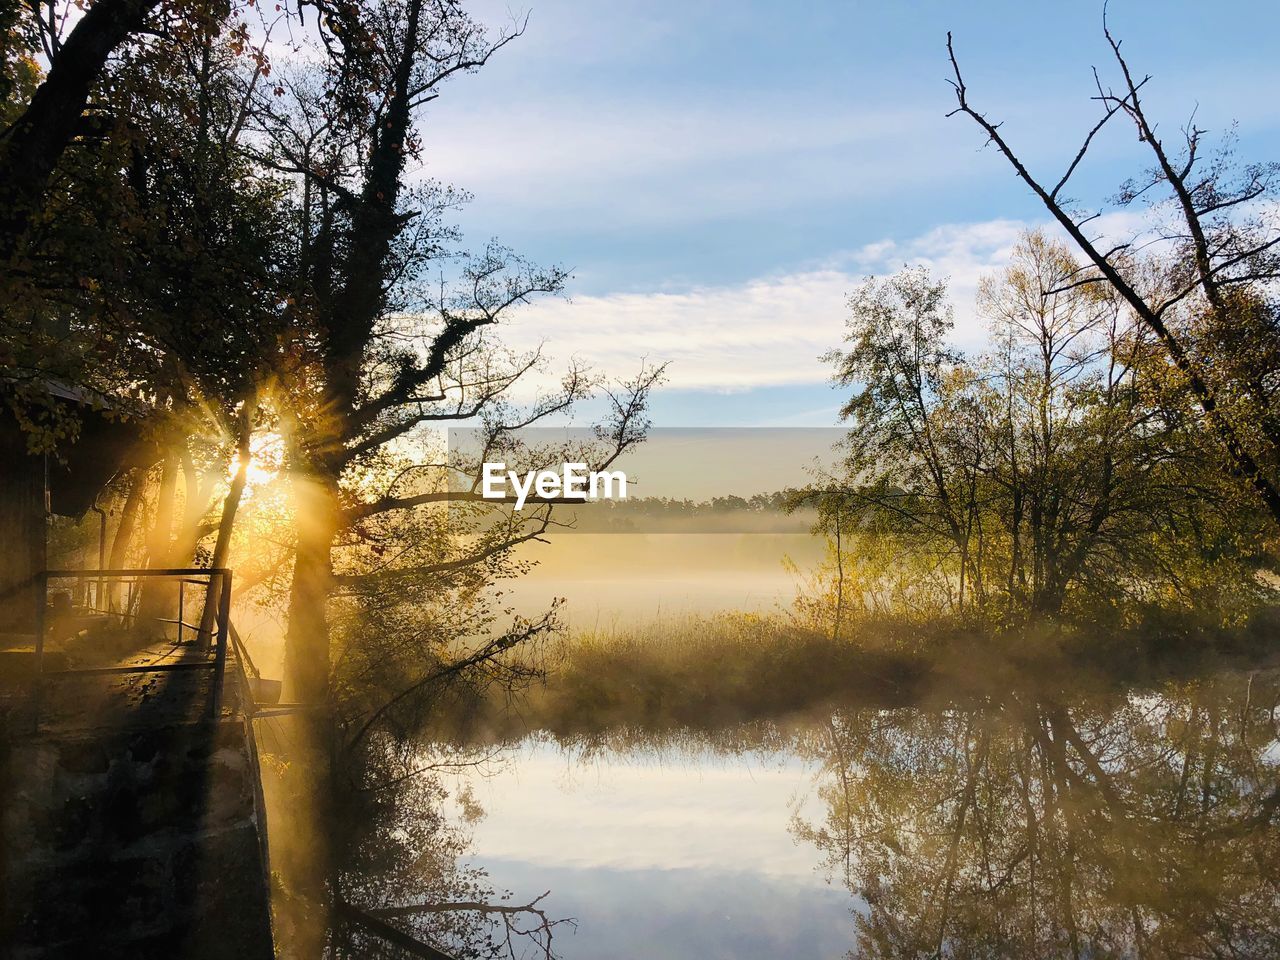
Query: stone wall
(147, 842)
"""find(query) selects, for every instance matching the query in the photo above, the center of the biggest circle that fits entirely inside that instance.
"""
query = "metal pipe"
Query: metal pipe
(145, 572)
(102, 547)
(140, 668)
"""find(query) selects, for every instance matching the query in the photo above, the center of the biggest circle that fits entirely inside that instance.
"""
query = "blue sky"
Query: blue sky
(719, 174)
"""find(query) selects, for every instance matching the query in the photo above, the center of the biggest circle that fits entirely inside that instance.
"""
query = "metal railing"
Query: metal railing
(215, 578)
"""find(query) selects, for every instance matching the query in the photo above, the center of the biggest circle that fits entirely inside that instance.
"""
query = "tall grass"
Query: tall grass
(709, 671)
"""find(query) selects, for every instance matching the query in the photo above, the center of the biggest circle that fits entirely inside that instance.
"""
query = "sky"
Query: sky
(718, 176)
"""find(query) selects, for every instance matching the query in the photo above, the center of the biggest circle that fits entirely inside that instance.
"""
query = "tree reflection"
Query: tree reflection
(396, 857)
(403, 873)
(1041, 826)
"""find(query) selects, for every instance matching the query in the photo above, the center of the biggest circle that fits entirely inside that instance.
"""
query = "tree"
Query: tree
(389, 349)
(349, 141)
(1051, 474)
(1080, 449)
(33, 141)
(1220, 252)
(899, 365)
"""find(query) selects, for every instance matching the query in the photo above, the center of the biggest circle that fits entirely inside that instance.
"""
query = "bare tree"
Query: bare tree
(1221, 247)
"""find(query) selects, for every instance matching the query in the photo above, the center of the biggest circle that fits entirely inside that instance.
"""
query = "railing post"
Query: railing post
(220, 656)
(182, 596)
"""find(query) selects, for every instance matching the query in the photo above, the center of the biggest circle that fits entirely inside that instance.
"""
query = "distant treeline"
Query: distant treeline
(759, 513)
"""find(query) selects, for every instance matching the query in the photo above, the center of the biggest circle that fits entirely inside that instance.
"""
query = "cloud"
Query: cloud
(963, 253)
(769, 331)
(630, 170)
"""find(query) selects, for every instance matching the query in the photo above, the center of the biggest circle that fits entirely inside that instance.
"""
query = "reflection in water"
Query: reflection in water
(402, 881)
(1135, 824)
(658, 850)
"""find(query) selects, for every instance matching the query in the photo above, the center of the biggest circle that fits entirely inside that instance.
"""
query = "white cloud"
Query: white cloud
(766, 332)
(616, 159)
(964, 253)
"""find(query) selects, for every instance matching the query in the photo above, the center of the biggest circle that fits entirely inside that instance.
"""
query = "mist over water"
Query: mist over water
(617, 580)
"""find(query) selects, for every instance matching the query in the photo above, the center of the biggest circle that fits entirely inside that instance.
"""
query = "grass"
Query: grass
(709, 671)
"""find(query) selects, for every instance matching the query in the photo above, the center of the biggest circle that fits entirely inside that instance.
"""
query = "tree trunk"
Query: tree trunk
(835, 630)
(194, 507)
(230, 506)
(125, 528)
(158, 598)
(311, 870)
(307, 637)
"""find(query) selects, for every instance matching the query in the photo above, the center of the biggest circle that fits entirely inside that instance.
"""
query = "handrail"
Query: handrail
(132, 576)
(219, 663)
(243, 651)
(249, 712)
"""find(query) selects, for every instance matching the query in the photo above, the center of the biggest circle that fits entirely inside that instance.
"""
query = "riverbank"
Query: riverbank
(706, 671)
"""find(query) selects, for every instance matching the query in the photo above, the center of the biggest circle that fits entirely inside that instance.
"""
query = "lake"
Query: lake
(1075, 818)
(674, 852)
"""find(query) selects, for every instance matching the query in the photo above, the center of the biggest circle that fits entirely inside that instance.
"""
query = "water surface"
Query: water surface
(661, 851)
(1067, 822)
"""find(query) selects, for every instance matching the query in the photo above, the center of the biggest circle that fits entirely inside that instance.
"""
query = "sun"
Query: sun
(266, 451)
